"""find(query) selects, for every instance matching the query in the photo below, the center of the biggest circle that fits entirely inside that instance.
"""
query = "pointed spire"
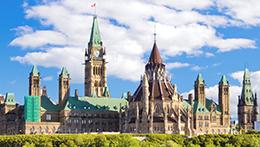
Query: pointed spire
(95, 37)
(199, 78)
(64, 72)
(155, 57)
(223, 80)
(247, 94)
(35, 71)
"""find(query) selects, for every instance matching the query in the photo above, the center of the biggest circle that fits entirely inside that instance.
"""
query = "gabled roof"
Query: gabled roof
(10, 99)
(95, 37)
(199, 108)
(48, 105)
(35, 71)
(155, 57)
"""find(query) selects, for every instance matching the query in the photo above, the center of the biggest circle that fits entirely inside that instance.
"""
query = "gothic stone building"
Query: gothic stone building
(247, 105)
(94, 112)
(157, 107)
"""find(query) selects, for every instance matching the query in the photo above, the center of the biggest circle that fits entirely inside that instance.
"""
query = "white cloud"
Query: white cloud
(182, 31)
(225, 45)
(187, 4)
(177, 65)
(246, 11)
(47, 78)
(39, 39)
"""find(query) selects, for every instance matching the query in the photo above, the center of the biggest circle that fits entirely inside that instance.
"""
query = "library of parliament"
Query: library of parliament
(154, 107)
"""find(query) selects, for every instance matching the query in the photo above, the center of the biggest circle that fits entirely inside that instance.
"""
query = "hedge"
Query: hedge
(130, 140)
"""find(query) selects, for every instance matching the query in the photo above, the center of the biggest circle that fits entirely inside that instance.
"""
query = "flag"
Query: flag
(93, 5)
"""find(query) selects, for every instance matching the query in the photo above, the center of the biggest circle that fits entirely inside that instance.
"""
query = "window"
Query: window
(48, 116)
(214, 118)
(200, 124)
(206, 124)
(200, 118)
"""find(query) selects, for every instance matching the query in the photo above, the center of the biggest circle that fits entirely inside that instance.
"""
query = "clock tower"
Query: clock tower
(95, 65)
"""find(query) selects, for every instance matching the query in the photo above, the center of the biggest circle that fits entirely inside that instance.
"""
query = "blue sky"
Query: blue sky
(197, 36)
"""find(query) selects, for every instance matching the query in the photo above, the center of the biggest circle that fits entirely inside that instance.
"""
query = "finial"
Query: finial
(154, 34)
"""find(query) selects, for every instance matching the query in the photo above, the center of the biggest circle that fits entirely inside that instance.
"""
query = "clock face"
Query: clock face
(96, 53)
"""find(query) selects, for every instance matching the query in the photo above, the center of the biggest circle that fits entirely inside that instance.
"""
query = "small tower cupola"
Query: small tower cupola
(34, 82)
(64, 86)
(199, 90)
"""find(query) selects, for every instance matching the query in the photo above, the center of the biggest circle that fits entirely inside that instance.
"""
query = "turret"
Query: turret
(64, 86)
(34, 82)
(199, 90)
(145, 94)
(223, 100)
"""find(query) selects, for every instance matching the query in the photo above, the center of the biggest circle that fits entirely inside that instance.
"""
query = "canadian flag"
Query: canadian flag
(93, 5)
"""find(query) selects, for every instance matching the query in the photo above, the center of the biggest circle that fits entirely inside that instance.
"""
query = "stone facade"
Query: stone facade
(157, 107)
(95, 65)
(247, 105)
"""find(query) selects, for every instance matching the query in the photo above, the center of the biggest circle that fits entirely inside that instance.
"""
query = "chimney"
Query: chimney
(190, 97)
(44, 91)
(76, 93)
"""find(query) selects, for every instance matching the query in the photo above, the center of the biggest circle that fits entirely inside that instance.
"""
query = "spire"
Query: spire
(223, 80)
(247, 94)
(95, 37)
(64, 72)
(35, 71)
(155, 57)
(199, 78)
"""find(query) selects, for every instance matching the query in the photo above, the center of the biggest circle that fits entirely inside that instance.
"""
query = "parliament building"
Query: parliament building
(156, 106)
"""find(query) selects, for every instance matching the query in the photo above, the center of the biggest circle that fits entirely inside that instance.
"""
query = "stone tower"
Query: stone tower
(34, 82)
(95, 65)
(247, 104)
(64, 86)
(223, 100)
(199, 90)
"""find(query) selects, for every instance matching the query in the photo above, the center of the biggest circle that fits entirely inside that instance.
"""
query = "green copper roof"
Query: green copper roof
(48, 105)
(35, 71)
(186, 104)
(199, 79)
(10, 99)
(95, 104)
(223, 80)
(209, 102)
(64, 72)
(95, 37)
(247, 95)
(199, 108)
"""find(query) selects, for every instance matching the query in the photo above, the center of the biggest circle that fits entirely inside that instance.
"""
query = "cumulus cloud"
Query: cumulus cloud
(126, 32)
(47, 78)
(246, 12)
(39, 39)
(177, 65)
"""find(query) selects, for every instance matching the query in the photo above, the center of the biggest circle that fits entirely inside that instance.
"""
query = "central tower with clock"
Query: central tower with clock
(95, 65)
